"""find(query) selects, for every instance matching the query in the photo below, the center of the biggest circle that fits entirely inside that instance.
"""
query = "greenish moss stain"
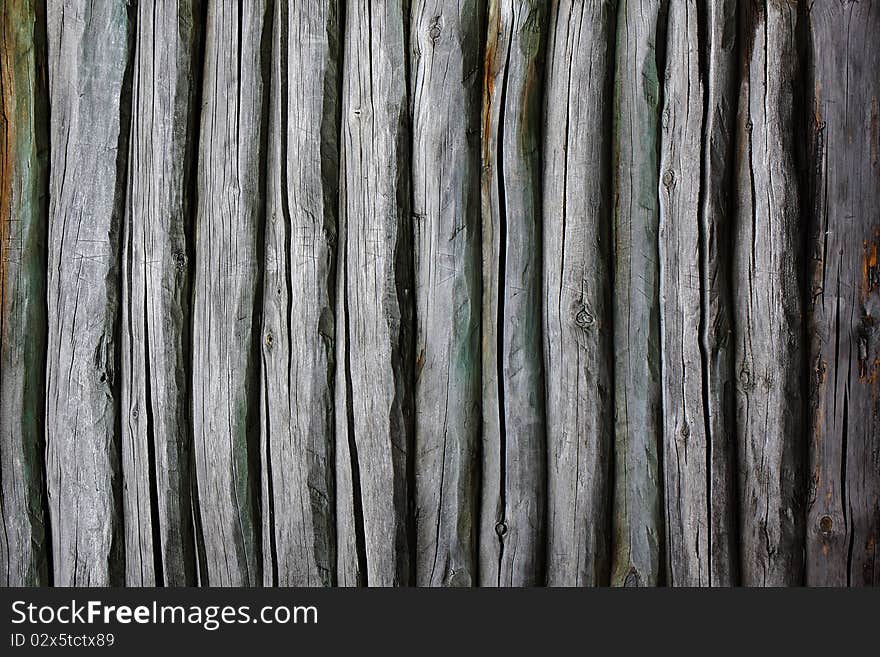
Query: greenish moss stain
(23, 196)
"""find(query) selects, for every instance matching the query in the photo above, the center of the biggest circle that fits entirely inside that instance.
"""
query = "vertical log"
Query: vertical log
(156, 297)
(577, 304)
(89, 87)
(843, 526)
(24, 133)
(227, 286)
(513, 505)
(638, 529)
(375, 306)
(447, 97)
(767, 302)
(694, 294)
(299, 296)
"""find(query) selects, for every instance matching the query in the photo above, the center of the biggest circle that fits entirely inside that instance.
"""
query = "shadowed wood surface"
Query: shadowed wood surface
(446, 97)
(577, 278)
(226, 291)
(89, 58)
(439, 292)
(23, 213)
(513, 508)
(768, 342)
(298, 349)
(843, 519)
(156, 250)
(638, 530)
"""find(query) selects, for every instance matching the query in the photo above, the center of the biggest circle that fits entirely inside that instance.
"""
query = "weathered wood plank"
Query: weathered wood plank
(694, 295)
(227, 290)
(767, 302)
(513, 500)
(24, 136)
(89, 89)
(156, 443)
(717, 331)
(577, 322)
(447, 95)
(637, 521)
(375, 302)
(843, 526)
(299, 292)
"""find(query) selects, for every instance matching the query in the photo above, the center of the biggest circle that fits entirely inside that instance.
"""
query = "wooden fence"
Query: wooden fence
(440, 292)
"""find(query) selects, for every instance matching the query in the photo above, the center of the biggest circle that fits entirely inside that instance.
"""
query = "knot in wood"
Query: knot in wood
(179, 259)
(826, 525)
(501, 528)
(669, 178)
(435, 27)
(584, 319)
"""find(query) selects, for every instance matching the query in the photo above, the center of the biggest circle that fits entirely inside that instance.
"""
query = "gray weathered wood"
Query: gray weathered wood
(89, 92)
(24, 136)
(156, 442)
(843, 520)
(375, 299)
(637, 521)
(767, 303)
(513, 504)
(299, 292)
(446, 37)
(576, 305)
(694, 295)
(227, 290)
(336, 292)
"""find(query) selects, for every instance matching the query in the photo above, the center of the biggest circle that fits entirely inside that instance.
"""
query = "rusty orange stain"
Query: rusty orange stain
(870, 273)
(489, 71)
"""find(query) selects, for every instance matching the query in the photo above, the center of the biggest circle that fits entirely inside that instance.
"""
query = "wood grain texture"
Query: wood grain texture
(156, 289)
(24, 136)
(513, 499)
(843, 519)
(694, 295)
(578, 345)
(717, 306)
(637, 518)
(375, 299)
(227, 290)
(299, 292)
(446, 39)
(439, 292)
(90, 55)
(767, 301)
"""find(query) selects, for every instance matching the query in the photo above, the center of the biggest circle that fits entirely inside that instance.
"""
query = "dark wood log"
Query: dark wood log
(843, 519)
(24, 137)
(767, 301)
(375, 297)
(156, 250)
(446, 39)
(299, 291)
(513, 504)
(227, 290)
(694, 295)
(637, 521)
(578, 344)
(90, 53)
